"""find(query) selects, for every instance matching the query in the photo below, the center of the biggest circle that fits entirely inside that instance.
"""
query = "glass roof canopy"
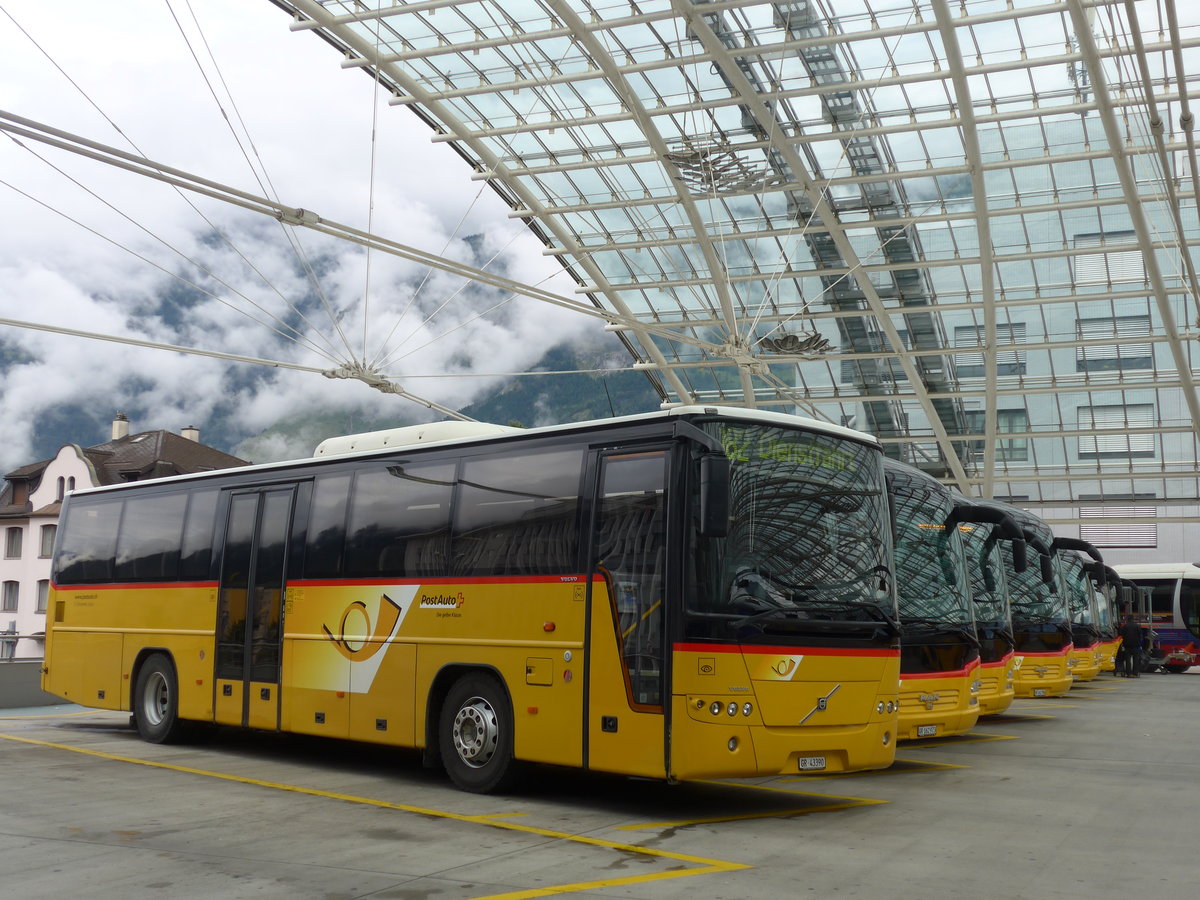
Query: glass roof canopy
(965, 228)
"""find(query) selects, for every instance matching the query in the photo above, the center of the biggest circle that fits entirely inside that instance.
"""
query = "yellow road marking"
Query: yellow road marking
(705, 866)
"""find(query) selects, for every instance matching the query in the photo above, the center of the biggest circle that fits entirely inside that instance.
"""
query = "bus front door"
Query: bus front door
(626, 727)
(249, 608)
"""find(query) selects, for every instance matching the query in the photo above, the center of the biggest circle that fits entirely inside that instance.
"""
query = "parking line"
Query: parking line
(704, 866)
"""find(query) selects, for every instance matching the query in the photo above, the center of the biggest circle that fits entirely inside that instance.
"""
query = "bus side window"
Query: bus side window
(88, 541)
(516, 514)
(148, 545)
(195, 561)
(630, 548)
(327, 525)
(400, 519)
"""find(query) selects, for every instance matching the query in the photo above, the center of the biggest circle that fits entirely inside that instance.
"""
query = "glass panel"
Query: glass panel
(631, 540)
(89, 538)
(148, 546)
(196, 558)
(327, 526)
(400, 519)
(1189, 605)
(516, 514)
(807, 543)
(268, 586)
(235, 581)
(48, 533)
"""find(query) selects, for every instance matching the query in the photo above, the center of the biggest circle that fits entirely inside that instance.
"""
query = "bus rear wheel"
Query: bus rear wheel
(156, 702)
(475, 735)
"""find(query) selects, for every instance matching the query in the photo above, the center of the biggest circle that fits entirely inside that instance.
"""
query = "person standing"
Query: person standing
(1131, 645)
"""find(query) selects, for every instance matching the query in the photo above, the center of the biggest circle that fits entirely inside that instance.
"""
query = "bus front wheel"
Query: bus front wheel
(475, 734)
(156, 701)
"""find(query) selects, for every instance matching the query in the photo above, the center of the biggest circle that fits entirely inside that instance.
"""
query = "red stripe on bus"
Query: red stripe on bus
(131, 586)
(760, 650)
(443, 579)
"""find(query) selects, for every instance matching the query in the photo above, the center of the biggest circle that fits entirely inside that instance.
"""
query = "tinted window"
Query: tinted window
(516, 514)
(1189, 605)
(89, 538)
(148, 546)
(327, 526)
(400, 519)
(196, 560)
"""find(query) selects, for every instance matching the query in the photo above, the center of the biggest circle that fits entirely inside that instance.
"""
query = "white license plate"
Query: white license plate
(1039, 692)
(812, 763)
(926, 730)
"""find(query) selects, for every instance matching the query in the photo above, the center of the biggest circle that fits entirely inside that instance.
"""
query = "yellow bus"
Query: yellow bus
(939, 646)
(695, 593)
(989, 596)
(1041, 620)
(1083, 600)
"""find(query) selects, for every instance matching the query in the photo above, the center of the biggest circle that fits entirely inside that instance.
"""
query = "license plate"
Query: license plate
(1039, 692)
(812, 763)
(926, 730)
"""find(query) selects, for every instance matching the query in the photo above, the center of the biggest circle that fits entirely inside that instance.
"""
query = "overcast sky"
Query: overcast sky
(110, 270)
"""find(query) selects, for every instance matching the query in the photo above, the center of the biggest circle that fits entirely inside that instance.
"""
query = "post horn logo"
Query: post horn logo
(355, 639)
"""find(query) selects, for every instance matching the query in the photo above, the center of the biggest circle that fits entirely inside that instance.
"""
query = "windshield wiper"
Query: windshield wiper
(941, 625)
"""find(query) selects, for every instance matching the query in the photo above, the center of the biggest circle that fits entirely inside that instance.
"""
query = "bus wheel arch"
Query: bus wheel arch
(474, 728)
(155, 698)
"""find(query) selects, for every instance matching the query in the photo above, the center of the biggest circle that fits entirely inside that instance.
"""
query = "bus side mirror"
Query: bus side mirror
(714, 495)
(1048, 573)
(1020, 560)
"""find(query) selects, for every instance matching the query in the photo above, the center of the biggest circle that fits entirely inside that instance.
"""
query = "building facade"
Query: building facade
(32, 498)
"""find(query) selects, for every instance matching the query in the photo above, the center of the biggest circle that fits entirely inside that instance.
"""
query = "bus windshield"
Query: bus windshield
(985, 568)
(1081, 596)
(930, 570)
(807, 548)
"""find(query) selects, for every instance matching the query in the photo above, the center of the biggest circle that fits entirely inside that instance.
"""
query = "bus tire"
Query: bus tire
(475, 734)
(156, 702)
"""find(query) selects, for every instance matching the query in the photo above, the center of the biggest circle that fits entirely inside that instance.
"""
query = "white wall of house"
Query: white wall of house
(32, 566)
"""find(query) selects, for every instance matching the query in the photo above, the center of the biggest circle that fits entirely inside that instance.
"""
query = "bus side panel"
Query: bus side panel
(621, 739)
(530, 633)
(85, 668)
(385, 713)
(192, 656)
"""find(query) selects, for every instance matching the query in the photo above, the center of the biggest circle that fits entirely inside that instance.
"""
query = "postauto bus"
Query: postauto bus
(1174, 590)
(939, 647)
(691, 593)
(1111, 588)
(989, 596)
(1041, 621)
(1083, 601)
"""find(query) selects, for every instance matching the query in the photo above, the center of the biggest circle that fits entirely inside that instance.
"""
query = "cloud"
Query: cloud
(86, 246)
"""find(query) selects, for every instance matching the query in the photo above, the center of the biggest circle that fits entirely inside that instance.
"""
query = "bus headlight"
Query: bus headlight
(733, 708)
(893, 705)
(715, 708)
(747, 709)
(733, 744)
(976, 685)
(879, 707)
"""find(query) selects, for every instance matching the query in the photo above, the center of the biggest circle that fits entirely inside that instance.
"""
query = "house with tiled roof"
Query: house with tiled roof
(32, 498)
